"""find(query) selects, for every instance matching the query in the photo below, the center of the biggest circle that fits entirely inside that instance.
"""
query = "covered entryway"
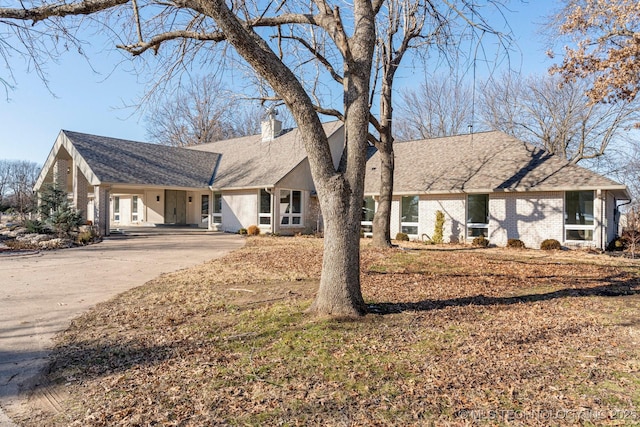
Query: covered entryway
(175, 207)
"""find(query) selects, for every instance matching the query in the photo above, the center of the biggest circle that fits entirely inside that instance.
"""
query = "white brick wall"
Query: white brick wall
(530, 217)
(453, 207)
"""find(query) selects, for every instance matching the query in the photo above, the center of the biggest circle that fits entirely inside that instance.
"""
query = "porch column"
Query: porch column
(101, 209)
(80, 190)
(275, 210)
(598, 219)
(60, 174)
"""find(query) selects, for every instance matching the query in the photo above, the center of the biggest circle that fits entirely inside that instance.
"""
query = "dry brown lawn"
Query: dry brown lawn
(456, 336)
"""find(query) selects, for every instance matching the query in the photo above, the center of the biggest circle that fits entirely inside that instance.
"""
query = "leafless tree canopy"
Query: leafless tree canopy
(17, 178)
(440, 106)
(557, 117)
(199, 113)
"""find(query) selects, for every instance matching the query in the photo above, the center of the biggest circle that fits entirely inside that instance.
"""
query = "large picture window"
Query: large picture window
(290, 207)
(409, 219)
(477, 215)
(216, 218)
(578, 215)
(368, 210)
(264, 215)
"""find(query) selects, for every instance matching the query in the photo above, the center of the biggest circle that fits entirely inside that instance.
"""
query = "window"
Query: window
(134, 209)
(216, 218)
(290, 207)
(578, 215)
(264, 215)
(368, 210)
(116, 208)
(409, 220)
(477, 215)
(204, 210)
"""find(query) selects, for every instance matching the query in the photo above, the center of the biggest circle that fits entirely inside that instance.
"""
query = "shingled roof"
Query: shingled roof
(249, 162)
(483, 162)
(119, 161)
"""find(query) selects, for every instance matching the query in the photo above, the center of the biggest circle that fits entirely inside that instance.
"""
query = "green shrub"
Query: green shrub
(253, 230)
(515, 243)
(242, 231)
(550, 245)
(56, 212)
(402, 237)
(35, 226)
(439, 229)
(480, 241)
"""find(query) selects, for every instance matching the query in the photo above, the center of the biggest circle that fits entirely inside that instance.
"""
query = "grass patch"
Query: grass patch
(452, 334)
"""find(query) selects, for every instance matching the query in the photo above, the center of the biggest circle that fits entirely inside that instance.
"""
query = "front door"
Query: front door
(175, 207)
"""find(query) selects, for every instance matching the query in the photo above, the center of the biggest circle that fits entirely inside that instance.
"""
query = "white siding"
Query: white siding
(154, 206)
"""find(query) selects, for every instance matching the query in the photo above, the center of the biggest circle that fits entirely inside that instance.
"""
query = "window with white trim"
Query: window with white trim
(134, 209)
(116, 208)
(368, 211)
(216, 218)
(410, 213)
(204, 210)
(579, 221)
(290, 208)
(477, 215)
(264, 212)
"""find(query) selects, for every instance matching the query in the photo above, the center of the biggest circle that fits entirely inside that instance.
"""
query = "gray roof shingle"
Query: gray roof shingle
(119, 161)
(248, 162)
(482, 162)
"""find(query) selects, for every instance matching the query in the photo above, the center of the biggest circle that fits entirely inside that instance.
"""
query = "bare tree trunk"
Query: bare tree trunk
(340, 192)
(339, 292)
(382, 217)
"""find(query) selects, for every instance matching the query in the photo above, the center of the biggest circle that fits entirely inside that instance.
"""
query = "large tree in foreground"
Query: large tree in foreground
(605, 46)
(255, 30)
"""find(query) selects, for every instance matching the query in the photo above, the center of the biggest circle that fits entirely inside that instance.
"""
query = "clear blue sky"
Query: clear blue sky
(92, 102)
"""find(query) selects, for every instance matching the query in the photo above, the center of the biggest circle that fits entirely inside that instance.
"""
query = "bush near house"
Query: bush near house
(550, 245)
(402, 237)
(515, 243)
(480, 241)
(439, 228)
(253, 230)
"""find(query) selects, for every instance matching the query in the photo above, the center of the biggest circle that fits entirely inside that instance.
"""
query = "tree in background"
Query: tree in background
(421, 29)
(440, 106)
(199, 112)
(558, 117)
(17, 178)
(605, 46)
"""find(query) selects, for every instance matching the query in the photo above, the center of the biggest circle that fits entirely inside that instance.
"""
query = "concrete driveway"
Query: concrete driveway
(42, 292)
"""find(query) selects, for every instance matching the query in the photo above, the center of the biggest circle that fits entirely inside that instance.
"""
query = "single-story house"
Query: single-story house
(494, 185)
(485, 183)
(262, 180)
